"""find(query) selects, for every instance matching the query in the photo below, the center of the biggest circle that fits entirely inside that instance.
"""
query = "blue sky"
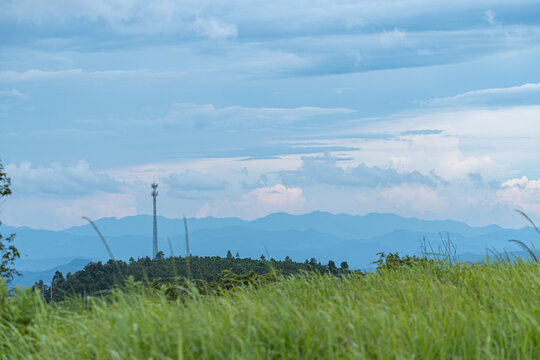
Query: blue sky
(243, 108)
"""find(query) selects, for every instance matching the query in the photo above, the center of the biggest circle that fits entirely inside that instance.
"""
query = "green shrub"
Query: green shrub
(226, 282)
(19, 308)
(393, 261)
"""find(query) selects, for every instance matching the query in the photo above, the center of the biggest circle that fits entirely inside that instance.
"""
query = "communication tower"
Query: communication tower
(154, 239)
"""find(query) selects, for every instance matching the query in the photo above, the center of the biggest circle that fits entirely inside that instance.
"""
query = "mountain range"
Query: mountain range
(320, 235)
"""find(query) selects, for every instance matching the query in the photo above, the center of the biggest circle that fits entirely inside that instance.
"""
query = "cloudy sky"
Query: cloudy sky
(242, 108)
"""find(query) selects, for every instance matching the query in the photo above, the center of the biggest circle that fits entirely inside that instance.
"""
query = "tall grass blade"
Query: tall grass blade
(269, 263)
(526, 248)
(170, 247)
(173, 260)
(528, 219)
(101, 236)
(187, 250)
(116, 263)
(495, 255)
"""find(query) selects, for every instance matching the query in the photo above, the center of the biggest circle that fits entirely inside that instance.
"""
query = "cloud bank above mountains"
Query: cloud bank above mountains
(423, 108)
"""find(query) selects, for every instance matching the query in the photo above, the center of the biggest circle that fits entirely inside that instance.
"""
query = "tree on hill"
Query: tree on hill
(332, 266)
(8, 252)
(5, 182)
(56, 284)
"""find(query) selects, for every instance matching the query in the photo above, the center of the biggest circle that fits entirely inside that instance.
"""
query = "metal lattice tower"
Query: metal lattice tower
(154, 239)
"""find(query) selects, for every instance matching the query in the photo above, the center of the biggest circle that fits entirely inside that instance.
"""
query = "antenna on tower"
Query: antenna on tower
(154, 239)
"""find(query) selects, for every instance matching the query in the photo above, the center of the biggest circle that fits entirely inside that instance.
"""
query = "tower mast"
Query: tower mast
(154, 239)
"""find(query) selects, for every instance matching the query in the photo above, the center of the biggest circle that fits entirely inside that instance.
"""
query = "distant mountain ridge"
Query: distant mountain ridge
(28, 278)
(342, 225)
(320, 235)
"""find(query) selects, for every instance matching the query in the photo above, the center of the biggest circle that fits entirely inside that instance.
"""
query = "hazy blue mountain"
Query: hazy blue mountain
(341, 225)
(355, 239)
(254, 243)
(43, 244)
(367, 226)
(40, 264)
(28, 278)
(248, 242)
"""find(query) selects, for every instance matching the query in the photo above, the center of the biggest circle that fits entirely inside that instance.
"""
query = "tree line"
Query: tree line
(98, 277)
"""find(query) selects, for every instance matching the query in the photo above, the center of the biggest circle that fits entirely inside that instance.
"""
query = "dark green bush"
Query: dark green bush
(18, 308)
(393, 261)
(227, 281)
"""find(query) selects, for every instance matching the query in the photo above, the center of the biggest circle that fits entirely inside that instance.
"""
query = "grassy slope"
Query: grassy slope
(465, 311)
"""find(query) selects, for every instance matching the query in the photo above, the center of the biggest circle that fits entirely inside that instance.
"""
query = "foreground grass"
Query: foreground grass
(460, 311)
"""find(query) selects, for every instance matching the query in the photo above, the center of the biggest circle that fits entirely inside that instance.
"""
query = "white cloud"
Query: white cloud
(192, 184)
(34, 74)
(127, 16)
(522, 193)
(413, 158)
(61, 181)
(412, 199)
(258, 202)
(392, 38)
(41, 212)
(418, 198)
(514, 95)
(327, 170)
(204, 115)
(460, 200)
(515, 121)
(521, 183)
(350, 14)
(98, 206)
(301, 38)
(9, 76)
(277, 196)
(14, 93)
(489, 16)
(215, 29)
(193, 180)
(491, 142)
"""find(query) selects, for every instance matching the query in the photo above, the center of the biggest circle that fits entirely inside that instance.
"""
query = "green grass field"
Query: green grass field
(422, 312)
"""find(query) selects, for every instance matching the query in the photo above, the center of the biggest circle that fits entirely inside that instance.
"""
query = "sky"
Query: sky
(422, 108)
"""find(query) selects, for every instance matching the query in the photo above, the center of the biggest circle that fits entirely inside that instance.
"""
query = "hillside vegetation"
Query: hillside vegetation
(409, 309)
(97, 277)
